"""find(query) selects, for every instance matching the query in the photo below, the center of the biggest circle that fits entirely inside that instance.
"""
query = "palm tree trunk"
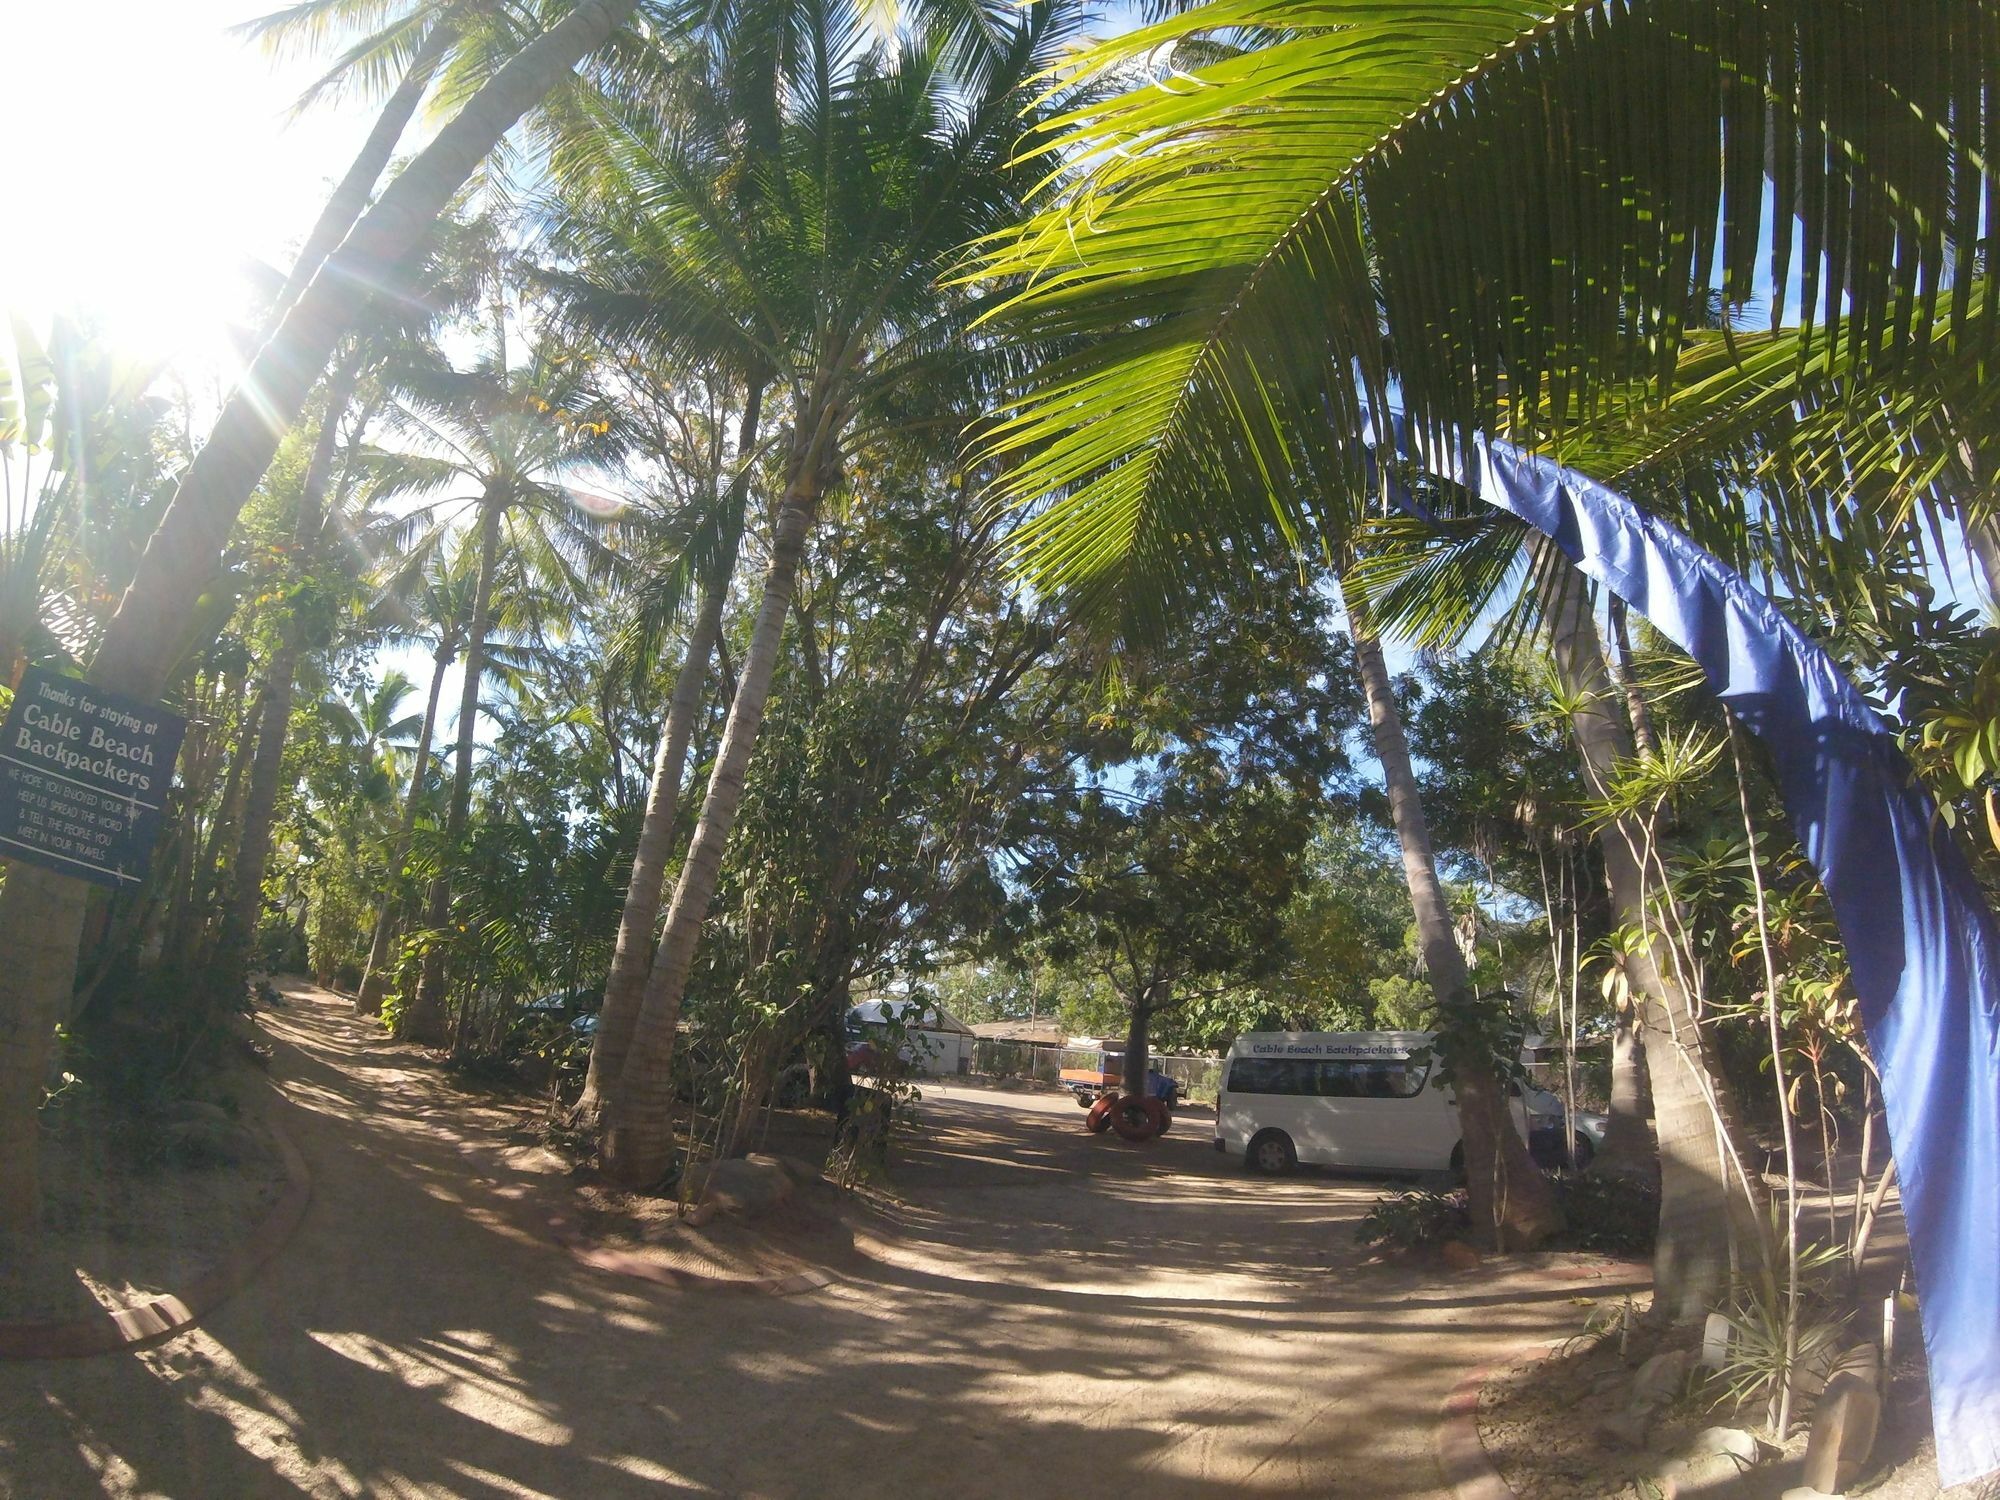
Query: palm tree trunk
(241, 917)
(1629, 1149)
(145, 637)
(426, 1020)
(246, 905)
(197, 855)
(640, 1142)
(1691, 1105)
(1628, 679)
(195, 949)
(631, 959)
(1982, 535)
(350, 195)
(41, 912)
(1507, 1192)
(374, 979)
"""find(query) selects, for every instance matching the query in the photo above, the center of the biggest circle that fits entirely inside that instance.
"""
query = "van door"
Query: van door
(1413, 1126)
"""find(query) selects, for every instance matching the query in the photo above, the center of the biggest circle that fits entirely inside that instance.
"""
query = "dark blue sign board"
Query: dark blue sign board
(83, 774)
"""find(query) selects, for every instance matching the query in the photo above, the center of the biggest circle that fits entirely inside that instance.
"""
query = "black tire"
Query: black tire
(1083, 1100)
(1458, 1164)
(1272, 1153)
(1584, 1152)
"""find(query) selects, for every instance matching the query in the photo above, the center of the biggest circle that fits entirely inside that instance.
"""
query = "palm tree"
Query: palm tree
(1508, 1193)
(705, 557)
(41, 913)
(499, 441)
(813, 234)
(267, 753)
(1368, 202)
(435, 610)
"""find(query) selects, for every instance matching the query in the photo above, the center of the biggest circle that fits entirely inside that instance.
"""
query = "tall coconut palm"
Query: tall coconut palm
(1494, 213)
(1509, 1195)
(814, 233)
(705, 559)
(435, 611)
(246, 903)
(41, 913)
(498, 442)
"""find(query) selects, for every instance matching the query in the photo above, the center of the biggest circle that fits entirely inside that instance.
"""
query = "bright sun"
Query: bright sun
(155, 167)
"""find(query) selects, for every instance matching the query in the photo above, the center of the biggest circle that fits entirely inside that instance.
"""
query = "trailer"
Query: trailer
(1098, 1090)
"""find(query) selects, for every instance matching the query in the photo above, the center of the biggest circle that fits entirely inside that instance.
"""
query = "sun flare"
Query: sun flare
(163, 173)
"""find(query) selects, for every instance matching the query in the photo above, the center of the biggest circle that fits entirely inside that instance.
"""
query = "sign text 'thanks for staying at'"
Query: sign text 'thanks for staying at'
(83, 775)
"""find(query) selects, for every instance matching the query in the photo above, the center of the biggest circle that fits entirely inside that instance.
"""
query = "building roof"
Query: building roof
(930, 1017)
(1037, 1033)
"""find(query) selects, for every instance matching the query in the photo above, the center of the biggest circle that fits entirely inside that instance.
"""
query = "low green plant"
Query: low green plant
(1760, 1363)
(1614, 1215)
(1411, 1220)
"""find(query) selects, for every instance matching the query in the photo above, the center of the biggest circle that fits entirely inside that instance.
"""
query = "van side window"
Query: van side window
(1272, 1075)
(1329, 1078)
(1372, 1078)
(1396, 1078)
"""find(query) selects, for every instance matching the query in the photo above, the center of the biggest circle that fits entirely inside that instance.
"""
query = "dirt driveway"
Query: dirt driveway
(1049, 1314)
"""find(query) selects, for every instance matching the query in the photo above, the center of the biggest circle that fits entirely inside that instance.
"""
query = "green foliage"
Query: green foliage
(1765, 1353)
(1168, 858)
(1397, 1002)
(1414, 1220)
(1613, 1215)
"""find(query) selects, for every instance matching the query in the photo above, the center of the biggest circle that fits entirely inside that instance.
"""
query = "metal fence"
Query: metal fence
(1197, 1076)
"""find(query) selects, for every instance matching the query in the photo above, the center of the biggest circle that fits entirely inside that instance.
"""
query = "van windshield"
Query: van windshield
(1329, 1077)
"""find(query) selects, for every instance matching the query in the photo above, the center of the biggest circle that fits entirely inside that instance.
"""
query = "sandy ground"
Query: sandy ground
(121, 1225)
(1046, 1313)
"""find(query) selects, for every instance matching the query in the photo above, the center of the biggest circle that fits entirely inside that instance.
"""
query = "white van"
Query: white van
(1358, 1099)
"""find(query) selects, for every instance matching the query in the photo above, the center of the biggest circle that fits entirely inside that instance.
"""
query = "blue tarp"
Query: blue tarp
(1921, 940)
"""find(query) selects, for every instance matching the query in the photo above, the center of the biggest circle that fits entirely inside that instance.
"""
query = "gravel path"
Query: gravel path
(1048, 1313)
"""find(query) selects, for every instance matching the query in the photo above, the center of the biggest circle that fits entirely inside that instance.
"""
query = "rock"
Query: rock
(1716, 1335)
(1660, 1379)
(1814, 1369)
(206, 1142)
(1458, 1256)
(699, 1214)
(1701, 1473)
(747, 1184)
(798, 1168)
(1629, 1427)
(1843, 1432)
(1734, 1441)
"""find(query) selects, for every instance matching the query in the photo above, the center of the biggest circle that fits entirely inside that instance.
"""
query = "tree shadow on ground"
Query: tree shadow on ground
(421, 1336)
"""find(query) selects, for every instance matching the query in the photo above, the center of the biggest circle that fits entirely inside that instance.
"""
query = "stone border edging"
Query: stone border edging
(110, 1330)
(1468, 1471)
(623, 1263)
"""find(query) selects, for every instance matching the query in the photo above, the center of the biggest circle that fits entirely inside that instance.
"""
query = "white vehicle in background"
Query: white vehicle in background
(1362, 1099)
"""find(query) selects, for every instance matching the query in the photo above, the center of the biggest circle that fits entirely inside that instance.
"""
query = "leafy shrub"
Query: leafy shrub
(1408, 1221)
(1617, 1215)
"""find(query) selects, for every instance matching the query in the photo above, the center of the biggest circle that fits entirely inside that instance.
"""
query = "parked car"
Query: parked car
(572, 1012)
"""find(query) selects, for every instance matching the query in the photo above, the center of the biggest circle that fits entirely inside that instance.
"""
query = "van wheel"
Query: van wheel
(1458, 1164)
(1272, 1153)
(1584, 1152)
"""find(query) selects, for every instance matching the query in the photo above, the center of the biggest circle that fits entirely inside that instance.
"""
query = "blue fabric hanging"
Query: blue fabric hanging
(1920, 938)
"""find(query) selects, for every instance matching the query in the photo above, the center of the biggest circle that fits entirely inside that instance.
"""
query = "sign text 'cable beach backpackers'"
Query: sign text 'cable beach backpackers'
(83, 775)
